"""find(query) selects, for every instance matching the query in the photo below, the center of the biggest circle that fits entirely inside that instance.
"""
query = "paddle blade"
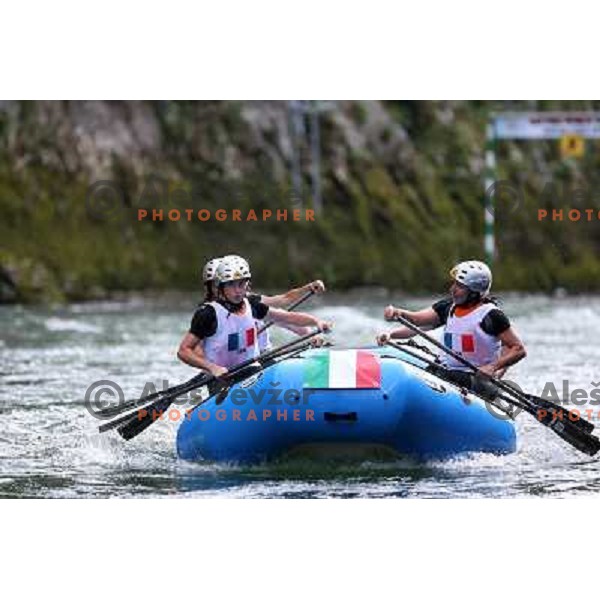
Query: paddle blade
(139, 421)
(570, 432)
(584, 442)
(553, 408)
(143, 418)
(122, 419)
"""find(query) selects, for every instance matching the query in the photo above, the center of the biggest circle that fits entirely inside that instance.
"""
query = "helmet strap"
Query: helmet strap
(232, 307)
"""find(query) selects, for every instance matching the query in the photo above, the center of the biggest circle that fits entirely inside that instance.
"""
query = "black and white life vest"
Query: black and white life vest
(235, 339)
(465, 336)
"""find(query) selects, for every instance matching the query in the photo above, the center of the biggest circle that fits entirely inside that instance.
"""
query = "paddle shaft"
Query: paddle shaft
(575, 433)
(437, 367)
(111, 411)
(290, 307)
(182, 388)
(133, 424)
(503, 386)
(223, 392)
(138, 405)
(292, 348)
(401, 347)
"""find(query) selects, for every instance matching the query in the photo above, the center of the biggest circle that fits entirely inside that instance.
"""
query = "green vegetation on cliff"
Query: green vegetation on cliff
(402, 191)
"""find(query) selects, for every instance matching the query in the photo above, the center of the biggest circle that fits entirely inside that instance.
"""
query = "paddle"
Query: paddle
(542, 403)
(292, 306)
(224, 391)
(437, 369)
(143, 403)
(139, 423)
(206, 379)
(545, 404)
(111, 411)
(134, 423)
(440, 371)
(572, 432)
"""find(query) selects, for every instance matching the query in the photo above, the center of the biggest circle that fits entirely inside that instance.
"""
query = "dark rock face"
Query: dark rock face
(401, 184)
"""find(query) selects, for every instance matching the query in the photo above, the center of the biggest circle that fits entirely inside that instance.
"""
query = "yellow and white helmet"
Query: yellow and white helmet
(209, 271)
(241, 260)
(473, 274)
(232, 268)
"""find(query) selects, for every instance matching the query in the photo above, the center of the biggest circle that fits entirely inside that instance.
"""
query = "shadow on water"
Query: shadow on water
(308, 478)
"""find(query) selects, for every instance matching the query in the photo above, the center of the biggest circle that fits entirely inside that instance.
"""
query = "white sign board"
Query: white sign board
(546, 125)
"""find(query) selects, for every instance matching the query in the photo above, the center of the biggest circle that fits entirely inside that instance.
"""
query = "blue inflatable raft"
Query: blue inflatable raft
(344, 403)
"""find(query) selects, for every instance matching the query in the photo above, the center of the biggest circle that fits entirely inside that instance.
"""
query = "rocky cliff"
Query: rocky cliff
(401, 186)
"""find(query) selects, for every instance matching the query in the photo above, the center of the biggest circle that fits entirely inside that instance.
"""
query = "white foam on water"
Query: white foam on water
(59, 324)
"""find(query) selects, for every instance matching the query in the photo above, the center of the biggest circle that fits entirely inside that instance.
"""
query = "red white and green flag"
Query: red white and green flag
(343, 369)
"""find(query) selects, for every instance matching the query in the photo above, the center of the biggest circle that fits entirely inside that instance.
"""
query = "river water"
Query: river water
(49, 445)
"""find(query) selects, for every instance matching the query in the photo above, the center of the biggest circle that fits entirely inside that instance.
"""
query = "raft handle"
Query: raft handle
(349, 417)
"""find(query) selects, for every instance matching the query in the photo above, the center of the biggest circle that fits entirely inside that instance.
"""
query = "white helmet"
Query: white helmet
(232, 269)
(209, 271)
(238, 258)
(474, 275)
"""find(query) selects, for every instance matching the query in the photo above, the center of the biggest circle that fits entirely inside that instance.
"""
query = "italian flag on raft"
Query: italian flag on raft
(343, 369)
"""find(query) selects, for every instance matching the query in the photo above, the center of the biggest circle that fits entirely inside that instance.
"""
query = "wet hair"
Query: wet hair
(209, 296)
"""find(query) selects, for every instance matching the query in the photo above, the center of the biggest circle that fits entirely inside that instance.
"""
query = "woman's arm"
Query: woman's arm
(291, 296)
(282, 317)
(512, 352)
(426, 319)
(191, 352)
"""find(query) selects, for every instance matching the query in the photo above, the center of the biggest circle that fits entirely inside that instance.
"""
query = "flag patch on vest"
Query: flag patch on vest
(241, 340)
(463, 342)
(343, 369)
